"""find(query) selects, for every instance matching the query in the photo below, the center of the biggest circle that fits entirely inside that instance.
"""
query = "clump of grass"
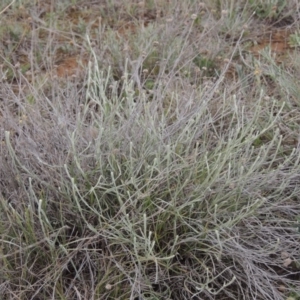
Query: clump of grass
(187, 192)
(120, 202)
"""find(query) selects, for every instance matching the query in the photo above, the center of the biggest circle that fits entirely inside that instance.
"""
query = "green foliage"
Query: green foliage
(294, 39)
(268, 9)
(207, 65)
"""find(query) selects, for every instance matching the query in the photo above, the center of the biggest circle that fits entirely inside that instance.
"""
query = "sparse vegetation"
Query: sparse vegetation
(149, 150)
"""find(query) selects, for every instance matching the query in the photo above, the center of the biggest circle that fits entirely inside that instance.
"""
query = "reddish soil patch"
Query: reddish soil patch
(70, 66)
(277, 40)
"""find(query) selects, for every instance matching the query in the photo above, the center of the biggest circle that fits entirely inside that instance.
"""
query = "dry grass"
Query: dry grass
(149, 150)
